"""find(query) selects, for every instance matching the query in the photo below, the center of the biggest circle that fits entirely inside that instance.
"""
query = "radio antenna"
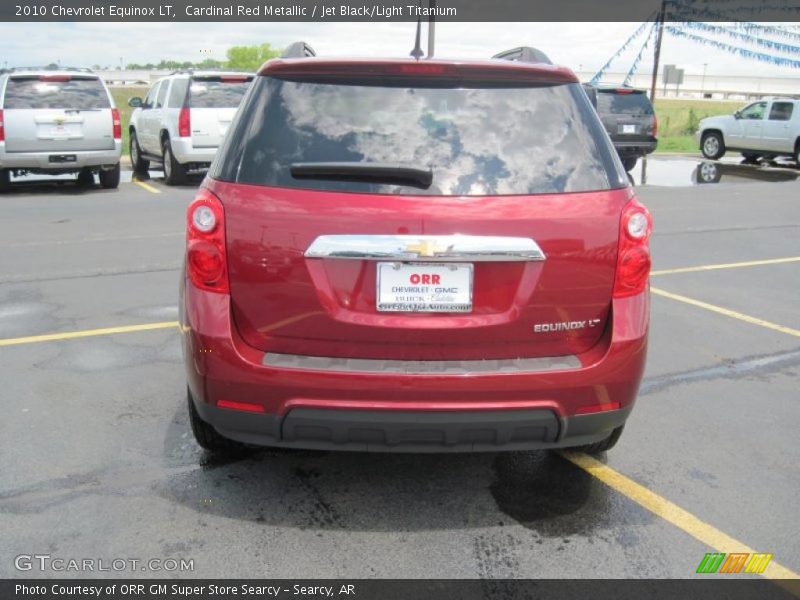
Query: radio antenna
(417, 51)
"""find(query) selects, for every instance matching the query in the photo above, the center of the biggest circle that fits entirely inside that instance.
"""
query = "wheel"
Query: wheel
(708, 172)
(207, 437)
(174, 172)
(712, 145)
(602, 445)
(85, 178)
(629, 162)
(109, 179)
(796, 157)
(138, 164)
(5, 180)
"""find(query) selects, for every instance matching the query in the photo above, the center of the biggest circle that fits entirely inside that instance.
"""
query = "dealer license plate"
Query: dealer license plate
(424, 287)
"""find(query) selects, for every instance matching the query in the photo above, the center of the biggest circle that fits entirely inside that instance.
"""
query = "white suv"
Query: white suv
(767, 128)
(57, 122)
(182, 120)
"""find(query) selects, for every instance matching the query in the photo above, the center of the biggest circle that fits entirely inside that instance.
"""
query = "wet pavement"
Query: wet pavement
(680, 171)
(98, 459)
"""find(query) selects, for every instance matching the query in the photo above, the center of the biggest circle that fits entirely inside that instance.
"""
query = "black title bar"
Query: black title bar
(731, 588)
(397, 10)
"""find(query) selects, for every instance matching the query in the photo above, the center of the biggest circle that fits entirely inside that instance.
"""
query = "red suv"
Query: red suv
(415, 256)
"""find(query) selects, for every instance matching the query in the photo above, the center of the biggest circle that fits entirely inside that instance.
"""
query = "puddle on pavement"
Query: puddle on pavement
(683, 172)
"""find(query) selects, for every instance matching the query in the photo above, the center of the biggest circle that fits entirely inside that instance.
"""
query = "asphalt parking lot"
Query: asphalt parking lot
(98, 460)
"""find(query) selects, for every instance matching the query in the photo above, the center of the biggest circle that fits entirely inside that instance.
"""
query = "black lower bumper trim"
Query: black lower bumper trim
(413, 431)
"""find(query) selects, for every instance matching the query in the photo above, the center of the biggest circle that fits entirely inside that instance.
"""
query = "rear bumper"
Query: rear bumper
(186, 153)
(577, 403)
(635, 148)
(40, 161)
(414, 431)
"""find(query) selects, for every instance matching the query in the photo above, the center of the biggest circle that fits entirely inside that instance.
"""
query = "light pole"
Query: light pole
(703, 82)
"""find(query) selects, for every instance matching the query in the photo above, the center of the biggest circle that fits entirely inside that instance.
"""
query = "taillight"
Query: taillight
(184, 123)
(117, 124)
(655, 125)
(206, 257)
(2, 127)
(633, 260)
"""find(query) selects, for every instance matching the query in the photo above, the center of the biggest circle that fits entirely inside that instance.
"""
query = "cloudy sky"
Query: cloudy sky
(581, 46)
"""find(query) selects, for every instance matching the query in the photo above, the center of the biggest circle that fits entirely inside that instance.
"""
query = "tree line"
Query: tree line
(238, 58)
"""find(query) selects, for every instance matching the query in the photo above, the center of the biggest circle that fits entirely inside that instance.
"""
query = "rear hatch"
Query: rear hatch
(57, 113)
(627, 114)
(213, 101)
(400, 218)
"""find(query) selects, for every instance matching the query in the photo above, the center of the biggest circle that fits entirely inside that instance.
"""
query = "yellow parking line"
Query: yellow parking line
(727, 312)
(70, 335)
(147, 186)
(749, 263)
(661, 507)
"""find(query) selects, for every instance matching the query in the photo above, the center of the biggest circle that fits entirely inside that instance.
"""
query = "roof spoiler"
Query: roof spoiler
(524, 54)
(298, 50)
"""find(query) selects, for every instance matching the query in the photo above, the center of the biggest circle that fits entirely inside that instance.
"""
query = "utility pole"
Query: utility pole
(659, 35)
(703, 83)
(431, 27)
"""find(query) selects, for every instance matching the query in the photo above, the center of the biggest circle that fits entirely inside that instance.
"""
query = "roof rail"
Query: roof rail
(298, 50)
(78, 69)
(524, 54)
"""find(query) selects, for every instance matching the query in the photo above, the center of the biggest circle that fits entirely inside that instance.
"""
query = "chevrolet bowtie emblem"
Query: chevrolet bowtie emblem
(59, 120)
(427, 248)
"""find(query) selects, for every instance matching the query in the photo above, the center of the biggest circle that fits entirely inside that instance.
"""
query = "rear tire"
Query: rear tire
(208, 437)
(796, 155)
(174, 172)
(602, 445)
(712, 145)
(110, 179)
(85, 178)
(5, 180)
(629, 162)
(138, 164)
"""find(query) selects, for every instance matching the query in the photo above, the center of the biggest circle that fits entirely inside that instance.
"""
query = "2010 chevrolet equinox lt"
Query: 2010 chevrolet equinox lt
(415, 256)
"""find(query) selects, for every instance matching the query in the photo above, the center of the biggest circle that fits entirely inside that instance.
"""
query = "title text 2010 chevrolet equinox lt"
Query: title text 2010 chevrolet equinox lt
(415, 256)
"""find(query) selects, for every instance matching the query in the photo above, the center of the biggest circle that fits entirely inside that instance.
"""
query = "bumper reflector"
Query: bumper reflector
(594, 408)
(246, 406)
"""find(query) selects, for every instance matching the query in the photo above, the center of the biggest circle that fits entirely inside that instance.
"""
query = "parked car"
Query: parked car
(463, 265)
(629, 119)
(768, 128)
(57, 122)
(183, 119)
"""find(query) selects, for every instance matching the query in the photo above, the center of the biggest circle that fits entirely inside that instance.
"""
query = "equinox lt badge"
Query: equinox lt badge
(565, 326)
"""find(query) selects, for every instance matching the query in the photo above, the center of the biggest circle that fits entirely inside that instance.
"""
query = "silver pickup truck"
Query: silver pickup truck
(764, 129)
(56, 122)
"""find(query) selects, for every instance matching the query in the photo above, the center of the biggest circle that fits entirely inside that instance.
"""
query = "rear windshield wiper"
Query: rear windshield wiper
(364, 171)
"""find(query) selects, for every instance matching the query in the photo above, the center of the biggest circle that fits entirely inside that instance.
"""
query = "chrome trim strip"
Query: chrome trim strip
(436, 367)
(435, 248)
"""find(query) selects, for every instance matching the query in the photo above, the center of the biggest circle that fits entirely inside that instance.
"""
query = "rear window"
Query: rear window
(77, 93)
(624, 104)
(475, 141)
(216, 92)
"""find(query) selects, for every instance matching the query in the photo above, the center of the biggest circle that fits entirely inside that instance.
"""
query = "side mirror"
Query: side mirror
(737, 115)
(135, 102)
